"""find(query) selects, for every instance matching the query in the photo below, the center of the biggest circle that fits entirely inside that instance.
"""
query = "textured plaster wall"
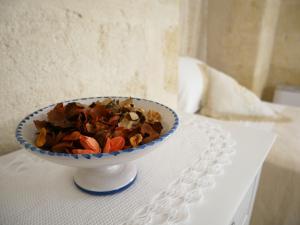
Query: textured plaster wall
(285, 66)
(56, 50)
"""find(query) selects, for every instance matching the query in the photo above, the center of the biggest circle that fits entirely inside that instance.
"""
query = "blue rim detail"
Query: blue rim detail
(101, 193)
(33, 148)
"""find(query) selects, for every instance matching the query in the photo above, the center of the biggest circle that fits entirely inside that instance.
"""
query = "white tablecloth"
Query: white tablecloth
(34, 191)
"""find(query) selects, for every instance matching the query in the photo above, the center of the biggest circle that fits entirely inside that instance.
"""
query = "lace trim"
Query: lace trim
(171, 206)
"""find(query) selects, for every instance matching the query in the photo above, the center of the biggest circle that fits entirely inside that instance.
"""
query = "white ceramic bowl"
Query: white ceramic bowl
(103, 173)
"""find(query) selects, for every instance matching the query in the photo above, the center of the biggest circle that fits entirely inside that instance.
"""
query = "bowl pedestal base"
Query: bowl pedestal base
(105, 180)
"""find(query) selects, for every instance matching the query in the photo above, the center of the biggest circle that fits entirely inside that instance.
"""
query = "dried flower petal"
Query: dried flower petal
(107, 146)
(72, 136)
(72, 110)
(153, 116)
(98, 111)
(106, 101)
(148, 132)
(52, 139)
(58, 137)
(157, 126)
(114, 144)
(125, 123)
(89, 143)
(89, 127)
(57, 115)
(39, 124)
(41, 139)
(114, 120)
(133, 116)
(126, 103)
(135, 140)
(62, 146)
(117, 143)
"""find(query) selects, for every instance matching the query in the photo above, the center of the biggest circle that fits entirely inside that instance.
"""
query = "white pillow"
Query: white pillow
(191, 84)
(226, 99)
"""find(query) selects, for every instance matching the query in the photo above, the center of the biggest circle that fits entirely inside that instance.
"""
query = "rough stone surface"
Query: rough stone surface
(285, 66)
(254, 41)
(233, 36)
(56, 50)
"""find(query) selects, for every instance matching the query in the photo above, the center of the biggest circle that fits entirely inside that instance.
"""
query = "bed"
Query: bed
(278, 197)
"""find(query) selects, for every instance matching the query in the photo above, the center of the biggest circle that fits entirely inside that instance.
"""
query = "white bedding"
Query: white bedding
(278, 197)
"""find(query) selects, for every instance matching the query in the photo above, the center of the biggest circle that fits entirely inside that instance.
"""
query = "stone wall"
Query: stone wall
(254, 41)
(240, 37)
(285, 66)
(56, 50)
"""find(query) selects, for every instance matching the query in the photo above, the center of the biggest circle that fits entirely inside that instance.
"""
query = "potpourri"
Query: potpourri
(101, 127)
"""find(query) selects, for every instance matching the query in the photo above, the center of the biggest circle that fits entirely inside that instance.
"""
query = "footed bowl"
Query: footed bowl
(103, 173)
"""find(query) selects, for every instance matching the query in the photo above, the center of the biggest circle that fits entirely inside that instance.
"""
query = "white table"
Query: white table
(229, 202)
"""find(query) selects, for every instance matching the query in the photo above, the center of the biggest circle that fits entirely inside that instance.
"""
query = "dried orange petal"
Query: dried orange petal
(117, 143)
(114, 144)
(72, 136)
(107, 146)
(89, 143)
(41, 138)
